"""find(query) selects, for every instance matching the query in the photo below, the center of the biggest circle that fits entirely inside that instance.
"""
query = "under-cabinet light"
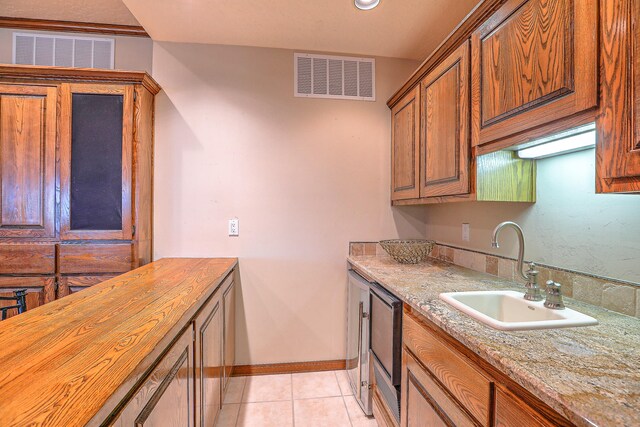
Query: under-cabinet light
(556, 147)
(366, 4)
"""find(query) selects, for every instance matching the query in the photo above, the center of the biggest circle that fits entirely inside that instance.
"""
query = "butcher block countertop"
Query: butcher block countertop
(589, 374)
(72, 361)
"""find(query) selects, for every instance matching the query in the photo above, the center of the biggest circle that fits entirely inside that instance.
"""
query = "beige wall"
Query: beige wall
(569, 226)
(131, 53)
(304, 177)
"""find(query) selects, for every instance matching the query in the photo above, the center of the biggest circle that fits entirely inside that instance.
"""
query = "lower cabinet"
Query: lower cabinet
(209, 366)
(425, 402)
(166, 397)
(186, 388)
(229, 347)
(445, 384)
(40, 290)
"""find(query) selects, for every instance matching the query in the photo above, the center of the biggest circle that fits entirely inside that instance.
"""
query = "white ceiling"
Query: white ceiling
(396, 28)
(95, 11)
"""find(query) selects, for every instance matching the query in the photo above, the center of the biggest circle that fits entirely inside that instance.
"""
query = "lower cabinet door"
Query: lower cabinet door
(209, 361)
(424, 402)
(229, 302)
(165, 399)
(40, 290)
(511, 411)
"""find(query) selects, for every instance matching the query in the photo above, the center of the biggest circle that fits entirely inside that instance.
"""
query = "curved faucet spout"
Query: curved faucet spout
(516, 227)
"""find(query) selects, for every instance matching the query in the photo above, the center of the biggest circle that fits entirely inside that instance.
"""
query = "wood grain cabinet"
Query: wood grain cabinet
(102, 165)
(445, 144)
(187, 386)
(27, 161)
(166, 397)
(534, 62)
(229, 341)
(405, 147)
(430, 133)
(209, 361)
(446, 384)
(618, 125)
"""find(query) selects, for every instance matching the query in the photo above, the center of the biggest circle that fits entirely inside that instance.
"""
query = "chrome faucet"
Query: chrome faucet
(530, 276)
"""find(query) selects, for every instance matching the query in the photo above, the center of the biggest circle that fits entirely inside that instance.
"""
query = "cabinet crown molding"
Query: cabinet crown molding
(38, 74)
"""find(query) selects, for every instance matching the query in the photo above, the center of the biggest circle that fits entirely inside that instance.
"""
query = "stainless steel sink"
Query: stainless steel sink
(509, 311)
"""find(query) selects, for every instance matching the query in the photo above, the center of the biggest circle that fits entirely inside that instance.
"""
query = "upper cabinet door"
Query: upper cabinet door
(405, 140)
(444, 154)
(533, 62)
(618, 126)
(27, 161)
(95, 161)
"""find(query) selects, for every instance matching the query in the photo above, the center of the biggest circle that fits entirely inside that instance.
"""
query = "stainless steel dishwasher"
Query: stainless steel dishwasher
(358, 339)
(386, 345)
(374, 340)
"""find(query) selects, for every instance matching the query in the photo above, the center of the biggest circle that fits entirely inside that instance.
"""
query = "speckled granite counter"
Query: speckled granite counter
(589, 374)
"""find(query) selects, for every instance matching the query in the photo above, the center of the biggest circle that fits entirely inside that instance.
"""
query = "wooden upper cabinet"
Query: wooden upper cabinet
(444, 153)
(405, 140)
(27, 161)
(618, 125)
(533, 62)
(96, 139)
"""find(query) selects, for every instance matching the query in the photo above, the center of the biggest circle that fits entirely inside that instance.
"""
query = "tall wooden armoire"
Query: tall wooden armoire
(76, 177)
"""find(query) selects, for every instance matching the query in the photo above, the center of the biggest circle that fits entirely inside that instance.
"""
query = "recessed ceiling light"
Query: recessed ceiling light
(366, 4)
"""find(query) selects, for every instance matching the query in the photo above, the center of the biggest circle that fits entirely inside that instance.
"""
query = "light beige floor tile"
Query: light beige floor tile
(235, 387)
(266, 414)
(356, 414)
(343, 382)
(315, 384)
(228, 415)
(267, 388)
(323, 412)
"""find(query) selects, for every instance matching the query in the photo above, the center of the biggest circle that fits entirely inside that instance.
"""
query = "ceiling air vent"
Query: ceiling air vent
(339, 77)
(62, 51)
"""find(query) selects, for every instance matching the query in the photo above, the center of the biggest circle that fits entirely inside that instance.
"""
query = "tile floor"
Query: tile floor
(314, 399)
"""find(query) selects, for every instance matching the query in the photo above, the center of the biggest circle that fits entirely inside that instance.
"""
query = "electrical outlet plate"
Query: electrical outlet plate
(234, 227)
(465, 232)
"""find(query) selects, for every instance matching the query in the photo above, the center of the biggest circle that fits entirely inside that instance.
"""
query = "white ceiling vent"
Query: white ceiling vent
(340, 77)
(62, 51)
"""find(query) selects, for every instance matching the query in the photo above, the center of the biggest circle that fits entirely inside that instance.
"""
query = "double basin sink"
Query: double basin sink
(509, 311)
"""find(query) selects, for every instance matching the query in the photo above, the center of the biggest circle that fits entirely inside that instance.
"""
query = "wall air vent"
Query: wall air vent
(339, 77)
(62, 51)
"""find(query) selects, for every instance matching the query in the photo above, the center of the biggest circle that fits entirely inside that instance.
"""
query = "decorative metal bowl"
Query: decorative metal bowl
(408, 251)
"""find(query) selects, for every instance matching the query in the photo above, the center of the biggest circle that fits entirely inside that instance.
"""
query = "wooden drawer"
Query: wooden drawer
(425, 402)
(40, 290)
(27, 259)
(71, 284)
(95, 258)
(458, 375)
(511, 411)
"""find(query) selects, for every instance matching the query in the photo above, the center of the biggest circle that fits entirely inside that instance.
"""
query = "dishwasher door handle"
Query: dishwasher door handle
(360, 317)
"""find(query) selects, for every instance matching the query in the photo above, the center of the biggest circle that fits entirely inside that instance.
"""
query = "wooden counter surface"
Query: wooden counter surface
(72, 361)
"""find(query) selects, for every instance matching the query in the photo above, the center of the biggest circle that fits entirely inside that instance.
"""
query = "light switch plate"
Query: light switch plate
(234, 227)
(465, 232)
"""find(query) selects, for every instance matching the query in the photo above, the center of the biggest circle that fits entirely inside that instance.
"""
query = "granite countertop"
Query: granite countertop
(590, 374)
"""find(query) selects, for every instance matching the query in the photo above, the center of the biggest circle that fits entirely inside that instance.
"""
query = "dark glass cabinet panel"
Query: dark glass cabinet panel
(96, 162)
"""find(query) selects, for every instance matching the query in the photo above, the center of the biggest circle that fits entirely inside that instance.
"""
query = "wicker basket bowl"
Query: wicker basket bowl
(408, 251)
